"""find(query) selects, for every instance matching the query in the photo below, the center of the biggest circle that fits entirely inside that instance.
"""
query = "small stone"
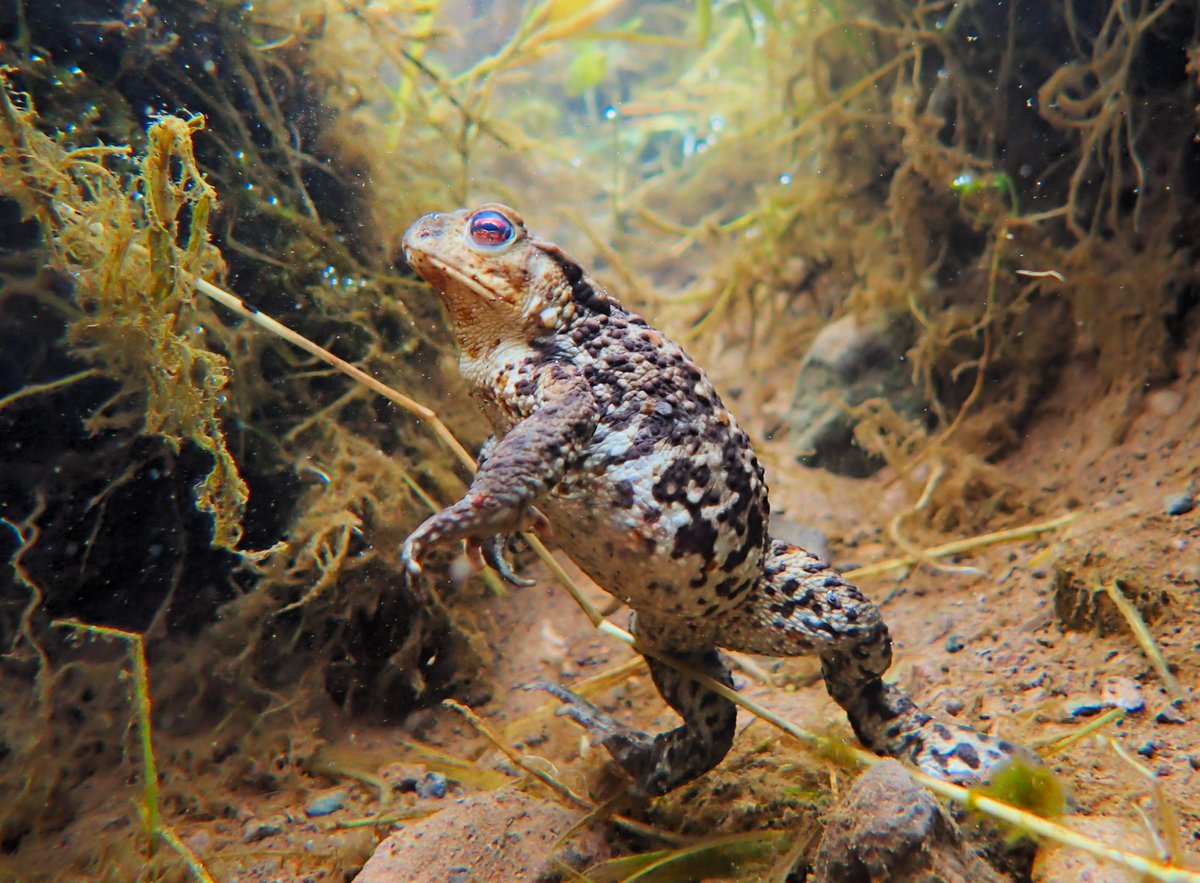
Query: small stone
(954, 707)
(1194, 761)
(259, 829)
(1148, 748)
(1170, 715)
(954, 643)
(201, 841)
(1123, 693)
(1164, 402)
(324, 804)
(1077, 708)
(433, 785)
(1180, 504)
(1037, 680)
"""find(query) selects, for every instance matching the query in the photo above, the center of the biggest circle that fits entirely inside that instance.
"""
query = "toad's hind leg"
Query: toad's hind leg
(663, 762)
(802, 606)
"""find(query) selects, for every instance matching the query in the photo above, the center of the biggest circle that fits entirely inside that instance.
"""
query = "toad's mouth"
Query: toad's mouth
(426, 262)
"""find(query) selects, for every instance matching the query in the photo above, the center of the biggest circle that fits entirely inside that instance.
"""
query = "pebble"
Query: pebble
(324, 804)
(1148, 749)
(954, 643)
(1171, 715)
(1077, 708)
(1194, 761)
(258, 829)
(1164, 402)
(954, 707)
(433, 785)
(1123, 693)
(201, 841)
(1180, 504)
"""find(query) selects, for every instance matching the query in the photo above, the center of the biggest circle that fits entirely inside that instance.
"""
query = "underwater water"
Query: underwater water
(937, 258)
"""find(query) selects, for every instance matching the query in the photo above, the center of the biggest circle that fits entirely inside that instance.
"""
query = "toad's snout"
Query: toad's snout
(423, 228)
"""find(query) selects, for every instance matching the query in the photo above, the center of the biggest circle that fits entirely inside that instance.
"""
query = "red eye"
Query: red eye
(489, 229)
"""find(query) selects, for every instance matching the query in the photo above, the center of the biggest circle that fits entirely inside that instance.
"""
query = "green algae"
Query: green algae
(133, 275)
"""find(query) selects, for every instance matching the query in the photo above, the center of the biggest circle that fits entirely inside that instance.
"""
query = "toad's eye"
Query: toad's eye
(489, 230)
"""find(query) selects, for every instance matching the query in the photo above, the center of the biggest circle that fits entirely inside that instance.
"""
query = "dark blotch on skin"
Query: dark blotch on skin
(584, 294)
(726, 587)
(697, 538)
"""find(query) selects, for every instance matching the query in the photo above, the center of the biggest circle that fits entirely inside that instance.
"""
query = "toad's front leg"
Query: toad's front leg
(559, 418)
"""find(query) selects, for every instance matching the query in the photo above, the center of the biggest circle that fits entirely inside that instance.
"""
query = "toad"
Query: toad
(606, 428)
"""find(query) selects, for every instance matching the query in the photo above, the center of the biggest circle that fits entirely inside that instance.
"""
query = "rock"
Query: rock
(259, 829)
(1164, 402)
(890, 828)
(1179, 504)
(1171, 715)
(1054, 863)
(326, 803)
(1123, 693)
(498, 835)
(954, 643)
(432, 785)
(200, 841)
(850, 360)
(1075, 709)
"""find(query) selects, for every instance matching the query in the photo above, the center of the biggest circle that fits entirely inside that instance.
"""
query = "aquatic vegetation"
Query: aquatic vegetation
(133, 278)
(156, 829)
(1014, 186)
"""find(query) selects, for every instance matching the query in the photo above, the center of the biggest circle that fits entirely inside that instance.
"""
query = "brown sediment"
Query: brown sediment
(1017, 188)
